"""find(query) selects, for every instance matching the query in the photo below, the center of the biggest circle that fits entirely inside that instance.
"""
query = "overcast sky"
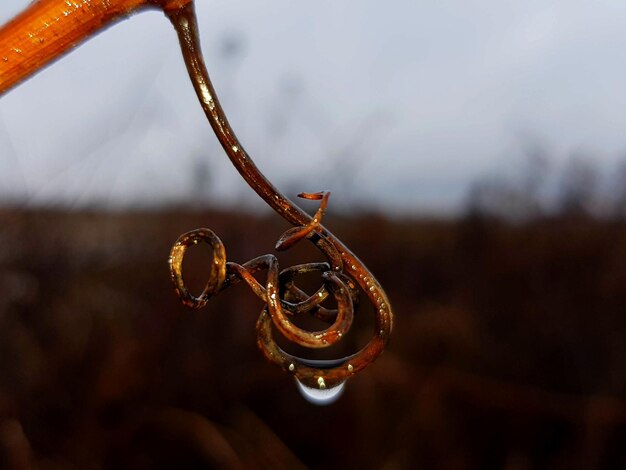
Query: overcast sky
(403, 103)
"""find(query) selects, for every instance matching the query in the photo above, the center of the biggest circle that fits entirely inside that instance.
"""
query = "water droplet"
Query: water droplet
(350, 368)
(319, 396)
(292, 367)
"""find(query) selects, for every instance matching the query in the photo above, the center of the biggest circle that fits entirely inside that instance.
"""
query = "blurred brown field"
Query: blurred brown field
(509, 348)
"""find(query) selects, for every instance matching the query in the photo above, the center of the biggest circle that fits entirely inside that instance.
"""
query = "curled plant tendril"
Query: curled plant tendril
(342, 273)
(49, 28)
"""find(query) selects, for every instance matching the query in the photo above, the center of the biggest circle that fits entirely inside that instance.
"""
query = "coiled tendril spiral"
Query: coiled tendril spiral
(283, 298)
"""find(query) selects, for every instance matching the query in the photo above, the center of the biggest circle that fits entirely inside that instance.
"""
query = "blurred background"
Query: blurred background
(477, 160)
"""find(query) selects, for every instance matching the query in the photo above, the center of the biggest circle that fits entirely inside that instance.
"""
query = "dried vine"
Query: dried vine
(49, 28)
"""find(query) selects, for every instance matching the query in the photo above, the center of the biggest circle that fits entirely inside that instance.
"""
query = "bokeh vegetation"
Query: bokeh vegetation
(508, 351)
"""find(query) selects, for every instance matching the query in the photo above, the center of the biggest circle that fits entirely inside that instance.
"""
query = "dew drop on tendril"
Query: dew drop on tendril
(319, 396)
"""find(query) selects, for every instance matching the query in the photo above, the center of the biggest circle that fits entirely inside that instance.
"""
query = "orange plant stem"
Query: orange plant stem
(49, 28)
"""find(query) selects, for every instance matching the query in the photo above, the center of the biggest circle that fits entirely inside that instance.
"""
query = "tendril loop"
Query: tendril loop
(282, 298)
